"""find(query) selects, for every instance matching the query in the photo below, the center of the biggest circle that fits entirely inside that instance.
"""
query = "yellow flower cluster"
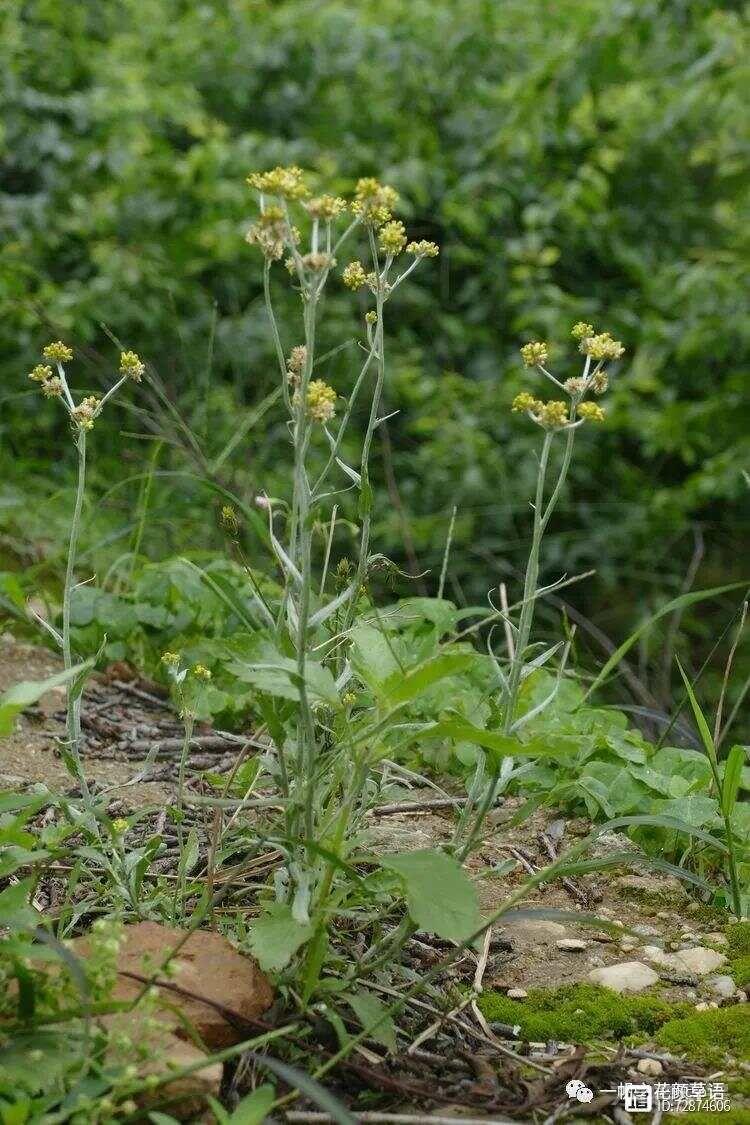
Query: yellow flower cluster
(325, 207)
(581, 330)
(525, 401)
(371, 317)
(552, 414)
(601, 347)
(600, 382)
(575, 386)
(590, 411)
(392, 237)
(374, 202)
(58, 352)
(132, 366)
(171, 659)
(423, 249)
(321, 401)
(201, 672)
(535, 353)
(266, 240)
(41, 373)
(354, 275)
(86, 411)
(286, 182)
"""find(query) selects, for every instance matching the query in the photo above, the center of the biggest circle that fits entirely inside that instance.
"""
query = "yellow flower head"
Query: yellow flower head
(58, 352)
(201, 672)
(120, 825)
(552, 415)
(171, 659)
(286, 182)
(575, 386)
(268, 240)
(392, 237)
(601, 347)
(524, 402)
(321, 401)
(354, 275)
(591, 411)
(41, 373)
(326, 207)
(535, 353)
(132, 366)
(582, 330)
(423, 249)
(371, 317)
(374, 201)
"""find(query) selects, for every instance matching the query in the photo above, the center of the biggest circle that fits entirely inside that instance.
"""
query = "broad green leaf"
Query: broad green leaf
(254, 1109)
(680, 603)
(440, 896)
(13, 701)
(400, 687)
(275, 937)
(730, 785)
(371, 655)
(696, 809)
(277, 675)
(502, 746)
(373, 1015)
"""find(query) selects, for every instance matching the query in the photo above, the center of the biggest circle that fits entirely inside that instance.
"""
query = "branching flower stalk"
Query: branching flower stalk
(82, 418)
(311, 406)
(555, 417)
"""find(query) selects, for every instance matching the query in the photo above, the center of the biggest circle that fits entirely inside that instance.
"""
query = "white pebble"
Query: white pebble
(571, 944)
(650, 1067)
(516, 994)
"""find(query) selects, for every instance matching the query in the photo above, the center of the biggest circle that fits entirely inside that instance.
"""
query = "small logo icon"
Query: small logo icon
(579, 1090)
(637, 1098)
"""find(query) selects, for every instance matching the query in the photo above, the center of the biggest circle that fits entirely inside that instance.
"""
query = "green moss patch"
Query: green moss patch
(578, 1013)
(709, 1036)
(738, 937)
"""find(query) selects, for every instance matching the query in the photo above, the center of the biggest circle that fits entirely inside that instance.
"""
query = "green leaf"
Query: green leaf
(672, 606)
(372, 657)
(501, 745)
(276, 936)
(400, 688)
(373, 1015)
(700, 720)
(440, 897)
(13, 701)
(254, 1109)
(730, 785)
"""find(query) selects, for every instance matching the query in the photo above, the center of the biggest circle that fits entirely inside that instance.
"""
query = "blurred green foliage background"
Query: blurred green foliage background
(583, 159)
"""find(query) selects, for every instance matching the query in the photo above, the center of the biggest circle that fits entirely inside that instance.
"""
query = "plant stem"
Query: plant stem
(73, 719)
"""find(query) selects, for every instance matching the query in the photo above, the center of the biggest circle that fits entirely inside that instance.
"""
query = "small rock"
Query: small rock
(596, 960)
(740, 996)
(722, 986)
(688, 936)
(702, 1006)
(652, 1068)
(693, 907)
(532, 932)
(627, 945)
(645, 930)
(630, 976)
(717, 939)
(571, 945)
(664, 915)
(516, 994)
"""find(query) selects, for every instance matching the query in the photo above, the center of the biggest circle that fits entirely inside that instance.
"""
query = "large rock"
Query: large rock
(529, 932)
(699, 960)
(206, 965)
(630, 976)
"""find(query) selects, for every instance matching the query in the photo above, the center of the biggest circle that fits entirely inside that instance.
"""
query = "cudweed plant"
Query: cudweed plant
(322, 773)
(82, 415)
